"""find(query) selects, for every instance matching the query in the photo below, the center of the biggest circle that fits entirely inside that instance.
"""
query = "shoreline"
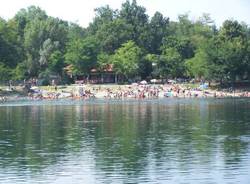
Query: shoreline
(116, 92)
(94, 102)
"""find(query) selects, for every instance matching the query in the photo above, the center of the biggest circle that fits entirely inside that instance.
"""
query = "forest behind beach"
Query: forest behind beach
(36, 45)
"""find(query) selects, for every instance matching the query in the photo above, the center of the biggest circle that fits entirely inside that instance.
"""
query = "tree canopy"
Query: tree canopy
(33, 44)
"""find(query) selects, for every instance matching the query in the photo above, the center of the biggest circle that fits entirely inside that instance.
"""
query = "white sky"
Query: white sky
(82, 11)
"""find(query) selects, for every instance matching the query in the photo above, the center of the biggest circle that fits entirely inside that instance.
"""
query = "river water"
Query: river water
(152, 141)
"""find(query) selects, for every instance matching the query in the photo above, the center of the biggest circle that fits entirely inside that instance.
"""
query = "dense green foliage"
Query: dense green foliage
(33, 44)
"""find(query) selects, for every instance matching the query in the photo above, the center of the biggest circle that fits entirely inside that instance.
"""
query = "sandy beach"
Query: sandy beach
(133, 91)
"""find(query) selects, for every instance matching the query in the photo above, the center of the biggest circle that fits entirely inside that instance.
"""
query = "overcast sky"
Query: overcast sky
(82, 11)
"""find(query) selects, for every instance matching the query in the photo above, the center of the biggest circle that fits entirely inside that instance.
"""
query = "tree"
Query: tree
(171, 63)
(126, 60)
(112, 34)
(25, 16)
(183, 45)
(33, 43)
(82, 55)
(175, 50)
(56, 62)
(104, 15)
(158, 28)
(103, 60)
(153, 61)
(228, 53)
(198, 65)
(40, 34)
(184, 26)
(10, 52)
(136, 16)
(75, 32)
(5, 72)
(46, 51)
(231, 29)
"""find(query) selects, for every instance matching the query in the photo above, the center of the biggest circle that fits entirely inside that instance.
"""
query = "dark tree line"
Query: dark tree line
(33, 44)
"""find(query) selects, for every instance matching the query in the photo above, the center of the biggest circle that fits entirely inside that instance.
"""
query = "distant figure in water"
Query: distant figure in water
(3, 99)
(215, 95)
(53, 82)
(10, 85)
(81, 92)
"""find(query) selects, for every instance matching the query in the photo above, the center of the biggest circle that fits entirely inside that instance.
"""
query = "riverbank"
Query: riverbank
(112, 91)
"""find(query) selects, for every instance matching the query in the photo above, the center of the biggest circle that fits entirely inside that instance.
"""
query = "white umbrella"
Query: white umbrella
(153, 80)
(171, 81)
(143, 82)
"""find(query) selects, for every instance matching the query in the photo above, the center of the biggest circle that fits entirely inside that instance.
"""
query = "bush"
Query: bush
(44, 78)
(20, 72)
(5, 72)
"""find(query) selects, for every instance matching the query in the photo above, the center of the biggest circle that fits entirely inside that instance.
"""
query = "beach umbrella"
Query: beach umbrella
(153, 80)
(171, 81)
(143, 82)
(134, 84)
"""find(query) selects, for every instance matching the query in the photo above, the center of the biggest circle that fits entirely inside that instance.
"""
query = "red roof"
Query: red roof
(107, 68)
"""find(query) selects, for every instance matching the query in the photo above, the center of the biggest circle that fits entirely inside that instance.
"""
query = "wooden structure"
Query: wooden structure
(96, 76)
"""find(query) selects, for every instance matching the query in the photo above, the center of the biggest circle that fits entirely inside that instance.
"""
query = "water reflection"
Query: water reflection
(126, 142)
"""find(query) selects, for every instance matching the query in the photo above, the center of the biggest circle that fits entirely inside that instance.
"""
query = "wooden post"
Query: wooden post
(102, 80)
(116, 80)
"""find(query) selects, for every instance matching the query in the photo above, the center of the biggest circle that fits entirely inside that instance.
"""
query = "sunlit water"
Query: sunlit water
(154, 141)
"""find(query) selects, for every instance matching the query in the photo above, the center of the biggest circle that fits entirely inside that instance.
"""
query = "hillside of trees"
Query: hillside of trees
(33, 44)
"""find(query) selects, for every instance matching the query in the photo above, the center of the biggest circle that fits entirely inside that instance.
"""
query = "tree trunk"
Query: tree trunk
(88, 78)
(116, 79)
(102, 80)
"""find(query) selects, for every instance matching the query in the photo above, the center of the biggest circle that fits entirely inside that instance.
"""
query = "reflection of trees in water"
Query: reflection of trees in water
(121, 145)
(232, 123)
(125, 137)
(36, 135)
(165, 135)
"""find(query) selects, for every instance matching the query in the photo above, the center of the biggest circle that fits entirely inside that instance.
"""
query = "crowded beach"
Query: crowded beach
(141, 90)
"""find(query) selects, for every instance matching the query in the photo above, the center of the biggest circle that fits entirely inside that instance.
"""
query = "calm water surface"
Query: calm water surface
(157, 141)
